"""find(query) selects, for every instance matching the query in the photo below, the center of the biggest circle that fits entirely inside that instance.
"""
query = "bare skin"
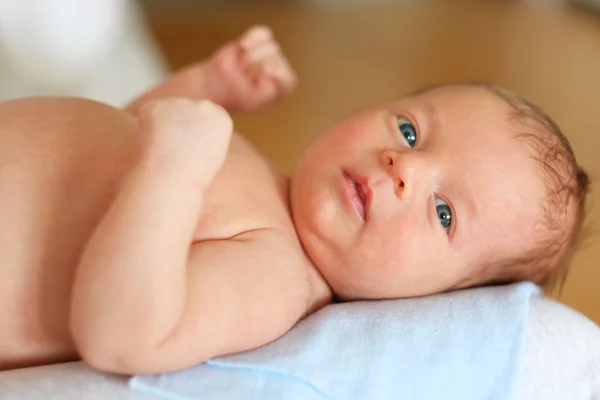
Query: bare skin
(89, 167)
(153, 239)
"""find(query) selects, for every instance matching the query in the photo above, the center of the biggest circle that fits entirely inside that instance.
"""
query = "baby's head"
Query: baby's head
(456, 186)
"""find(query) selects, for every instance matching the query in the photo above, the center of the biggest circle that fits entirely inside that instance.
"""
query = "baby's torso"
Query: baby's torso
(55, 186)
(247, 194)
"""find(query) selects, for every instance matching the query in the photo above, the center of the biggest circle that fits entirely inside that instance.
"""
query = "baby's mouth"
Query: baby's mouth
(358, 195)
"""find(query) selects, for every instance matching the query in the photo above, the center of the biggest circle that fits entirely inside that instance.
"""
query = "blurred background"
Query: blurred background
(348, 54)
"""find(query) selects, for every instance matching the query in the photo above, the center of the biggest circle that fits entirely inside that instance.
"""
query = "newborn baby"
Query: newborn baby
(152, 239)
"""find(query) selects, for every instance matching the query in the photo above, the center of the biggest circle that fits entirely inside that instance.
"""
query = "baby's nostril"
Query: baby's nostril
(401, 184)
(390, 161)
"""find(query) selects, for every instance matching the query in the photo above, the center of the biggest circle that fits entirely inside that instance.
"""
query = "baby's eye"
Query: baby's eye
(408, 131)
(444, 213)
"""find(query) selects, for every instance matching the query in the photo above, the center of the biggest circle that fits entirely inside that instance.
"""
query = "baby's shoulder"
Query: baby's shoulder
(247, 194)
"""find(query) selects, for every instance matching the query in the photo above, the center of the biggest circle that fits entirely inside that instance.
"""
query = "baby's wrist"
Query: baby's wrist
(208, 84)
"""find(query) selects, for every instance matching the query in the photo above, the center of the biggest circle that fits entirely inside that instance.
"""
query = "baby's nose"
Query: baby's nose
(399, 171)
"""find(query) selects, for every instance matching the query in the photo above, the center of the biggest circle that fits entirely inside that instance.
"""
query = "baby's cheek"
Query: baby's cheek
(404, 254)
(364, 135)
(382, 258)
(354, 135)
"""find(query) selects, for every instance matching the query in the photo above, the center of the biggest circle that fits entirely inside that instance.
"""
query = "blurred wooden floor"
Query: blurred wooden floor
(348, 57)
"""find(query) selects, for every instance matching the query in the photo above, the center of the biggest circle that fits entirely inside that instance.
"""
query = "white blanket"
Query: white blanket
(561, 361)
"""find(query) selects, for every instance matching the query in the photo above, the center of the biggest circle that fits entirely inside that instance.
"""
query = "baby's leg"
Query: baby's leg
(130, 286)
(247, 74)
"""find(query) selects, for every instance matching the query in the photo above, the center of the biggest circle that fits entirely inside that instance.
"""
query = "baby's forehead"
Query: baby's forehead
(517, 168)
(473, 132)
(456, 96)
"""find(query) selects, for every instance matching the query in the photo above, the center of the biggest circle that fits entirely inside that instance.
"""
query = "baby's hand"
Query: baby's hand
(186, 137)
(249, 73)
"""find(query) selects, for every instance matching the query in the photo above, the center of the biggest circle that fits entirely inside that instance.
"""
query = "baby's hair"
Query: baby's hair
(567, 187)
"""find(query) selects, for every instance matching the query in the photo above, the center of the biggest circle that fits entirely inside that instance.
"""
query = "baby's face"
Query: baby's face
(418, 196)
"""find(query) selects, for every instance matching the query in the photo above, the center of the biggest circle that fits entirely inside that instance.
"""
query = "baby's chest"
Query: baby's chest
(247, 194)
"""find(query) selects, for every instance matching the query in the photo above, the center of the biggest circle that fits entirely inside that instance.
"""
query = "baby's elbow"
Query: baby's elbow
(114, 360)
(109, 351)
(126, 358)
(113, 356)
(134, 354)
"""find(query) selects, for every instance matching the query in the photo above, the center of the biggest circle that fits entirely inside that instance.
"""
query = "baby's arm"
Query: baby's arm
(145, 301)
(244, 75)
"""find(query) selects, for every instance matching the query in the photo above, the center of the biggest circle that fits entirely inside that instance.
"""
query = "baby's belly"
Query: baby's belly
(59, 171)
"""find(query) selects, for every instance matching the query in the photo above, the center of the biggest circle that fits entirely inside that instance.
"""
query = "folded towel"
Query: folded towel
(461, 345)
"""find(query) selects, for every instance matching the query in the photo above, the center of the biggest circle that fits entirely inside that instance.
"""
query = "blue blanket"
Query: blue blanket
(463, 345)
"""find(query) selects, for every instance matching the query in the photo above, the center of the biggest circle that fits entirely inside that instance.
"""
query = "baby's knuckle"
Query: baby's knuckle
(223, 64)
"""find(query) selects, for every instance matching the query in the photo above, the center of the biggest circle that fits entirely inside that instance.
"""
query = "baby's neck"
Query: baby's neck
(320, 292)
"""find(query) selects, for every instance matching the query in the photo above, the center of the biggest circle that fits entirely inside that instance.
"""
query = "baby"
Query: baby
(152, 239)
